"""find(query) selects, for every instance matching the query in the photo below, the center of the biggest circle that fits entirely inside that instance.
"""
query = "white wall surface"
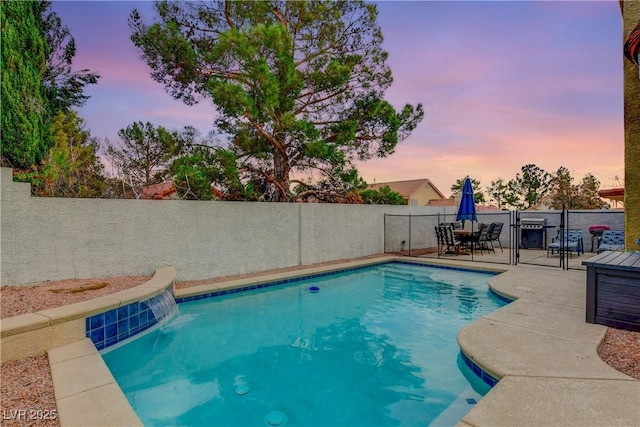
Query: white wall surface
(55, 238)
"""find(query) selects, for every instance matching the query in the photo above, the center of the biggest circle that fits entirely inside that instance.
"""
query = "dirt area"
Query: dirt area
(27, 393)
(27, 384)
(621, 350)
(16, 300)
(417, 252)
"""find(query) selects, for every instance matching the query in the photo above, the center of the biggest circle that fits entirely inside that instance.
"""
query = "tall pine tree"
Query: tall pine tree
(38, 82)
(299, 88)
(25, 139)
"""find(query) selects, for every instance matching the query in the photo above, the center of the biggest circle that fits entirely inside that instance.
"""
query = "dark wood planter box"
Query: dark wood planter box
(613, 289)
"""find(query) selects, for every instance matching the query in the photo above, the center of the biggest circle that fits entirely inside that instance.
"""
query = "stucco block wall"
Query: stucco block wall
(631, 15)
(332, 231)
(51, 238)
(54, 238)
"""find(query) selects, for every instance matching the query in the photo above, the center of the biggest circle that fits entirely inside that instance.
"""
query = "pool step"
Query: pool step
(404, 274)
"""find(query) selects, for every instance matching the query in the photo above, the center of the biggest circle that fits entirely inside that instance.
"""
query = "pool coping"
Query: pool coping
(508, 403)
(84, 388)
(544, 354)
(33, 333)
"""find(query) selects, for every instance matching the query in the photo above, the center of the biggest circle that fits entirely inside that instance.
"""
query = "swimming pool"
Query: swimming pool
(374, 346)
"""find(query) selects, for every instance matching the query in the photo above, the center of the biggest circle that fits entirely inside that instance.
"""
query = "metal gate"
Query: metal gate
(529, 237)
(533, 232)
(567, 237)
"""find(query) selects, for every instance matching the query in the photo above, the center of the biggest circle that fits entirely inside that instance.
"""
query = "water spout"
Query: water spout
(163, 305)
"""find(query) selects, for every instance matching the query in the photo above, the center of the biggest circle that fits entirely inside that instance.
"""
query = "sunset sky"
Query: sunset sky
(503, 84)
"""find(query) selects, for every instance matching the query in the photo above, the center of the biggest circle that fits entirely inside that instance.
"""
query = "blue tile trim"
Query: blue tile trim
(328, 273)
(488, 379)
(113, 326)
(267, 284)
(501, 297)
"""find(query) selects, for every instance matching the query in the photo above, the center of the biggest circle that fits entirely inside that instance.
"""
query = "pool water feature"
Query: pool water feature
(163, 305)
(370, 347)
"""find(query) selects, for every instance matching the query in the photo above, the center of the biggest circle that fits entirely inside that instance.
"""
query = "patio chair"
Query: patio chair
(482, 240)
(611, 241)
(494, 236)
(572, 242)
(447, 243)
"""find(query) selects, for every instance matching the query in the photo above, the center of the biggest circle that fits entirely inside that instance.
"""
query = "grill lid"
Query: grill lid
(533, 221)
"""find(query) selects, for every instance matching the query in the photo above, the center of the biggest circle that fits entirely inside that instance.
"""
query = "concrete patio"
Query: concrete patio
(546, 357)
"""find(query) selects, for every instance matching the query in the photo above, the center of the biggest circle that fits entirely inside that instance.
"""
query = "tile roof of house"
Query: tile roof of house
(454, 202)
(487, 208)
(162, 191)
(612, 193)
(442, 202)
(406, 188)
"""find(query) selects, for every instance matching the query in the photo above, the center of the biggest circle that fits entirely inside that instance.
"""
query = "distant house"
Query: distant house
(483, 208)
(616, 195)
(416, 192)
(162, 191)
(454, 202)
(442, 202)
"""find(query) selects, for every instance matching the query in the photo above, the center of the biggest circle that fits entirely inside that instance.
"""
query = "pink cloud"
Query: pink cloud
(499, 142)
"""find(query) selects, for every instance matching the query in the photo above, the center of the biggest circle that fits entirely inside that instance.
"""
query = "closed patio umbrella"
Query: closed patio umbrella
(467, 206)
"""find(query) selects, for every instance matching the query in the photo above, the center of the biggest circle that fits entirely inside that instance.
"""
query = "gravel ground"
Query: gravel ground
(27, 393)
(27, 384)
(621, 350)
(18, 300)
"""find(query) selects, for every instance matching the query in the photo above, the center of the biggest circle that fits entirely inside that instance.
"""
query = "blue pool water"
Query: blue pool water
(370, 347)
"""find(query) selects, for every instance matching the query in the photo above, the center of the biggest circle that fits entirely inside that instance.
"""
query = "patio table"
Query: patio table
(467, 238)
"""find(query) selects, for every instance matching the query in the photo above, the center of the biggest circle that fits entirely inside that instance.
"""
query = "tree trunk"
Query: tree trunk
(282, 180)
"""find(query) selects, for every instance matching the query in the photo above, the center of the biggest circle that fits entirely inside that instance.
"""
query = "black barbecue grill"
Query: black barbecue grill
(533, 233)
